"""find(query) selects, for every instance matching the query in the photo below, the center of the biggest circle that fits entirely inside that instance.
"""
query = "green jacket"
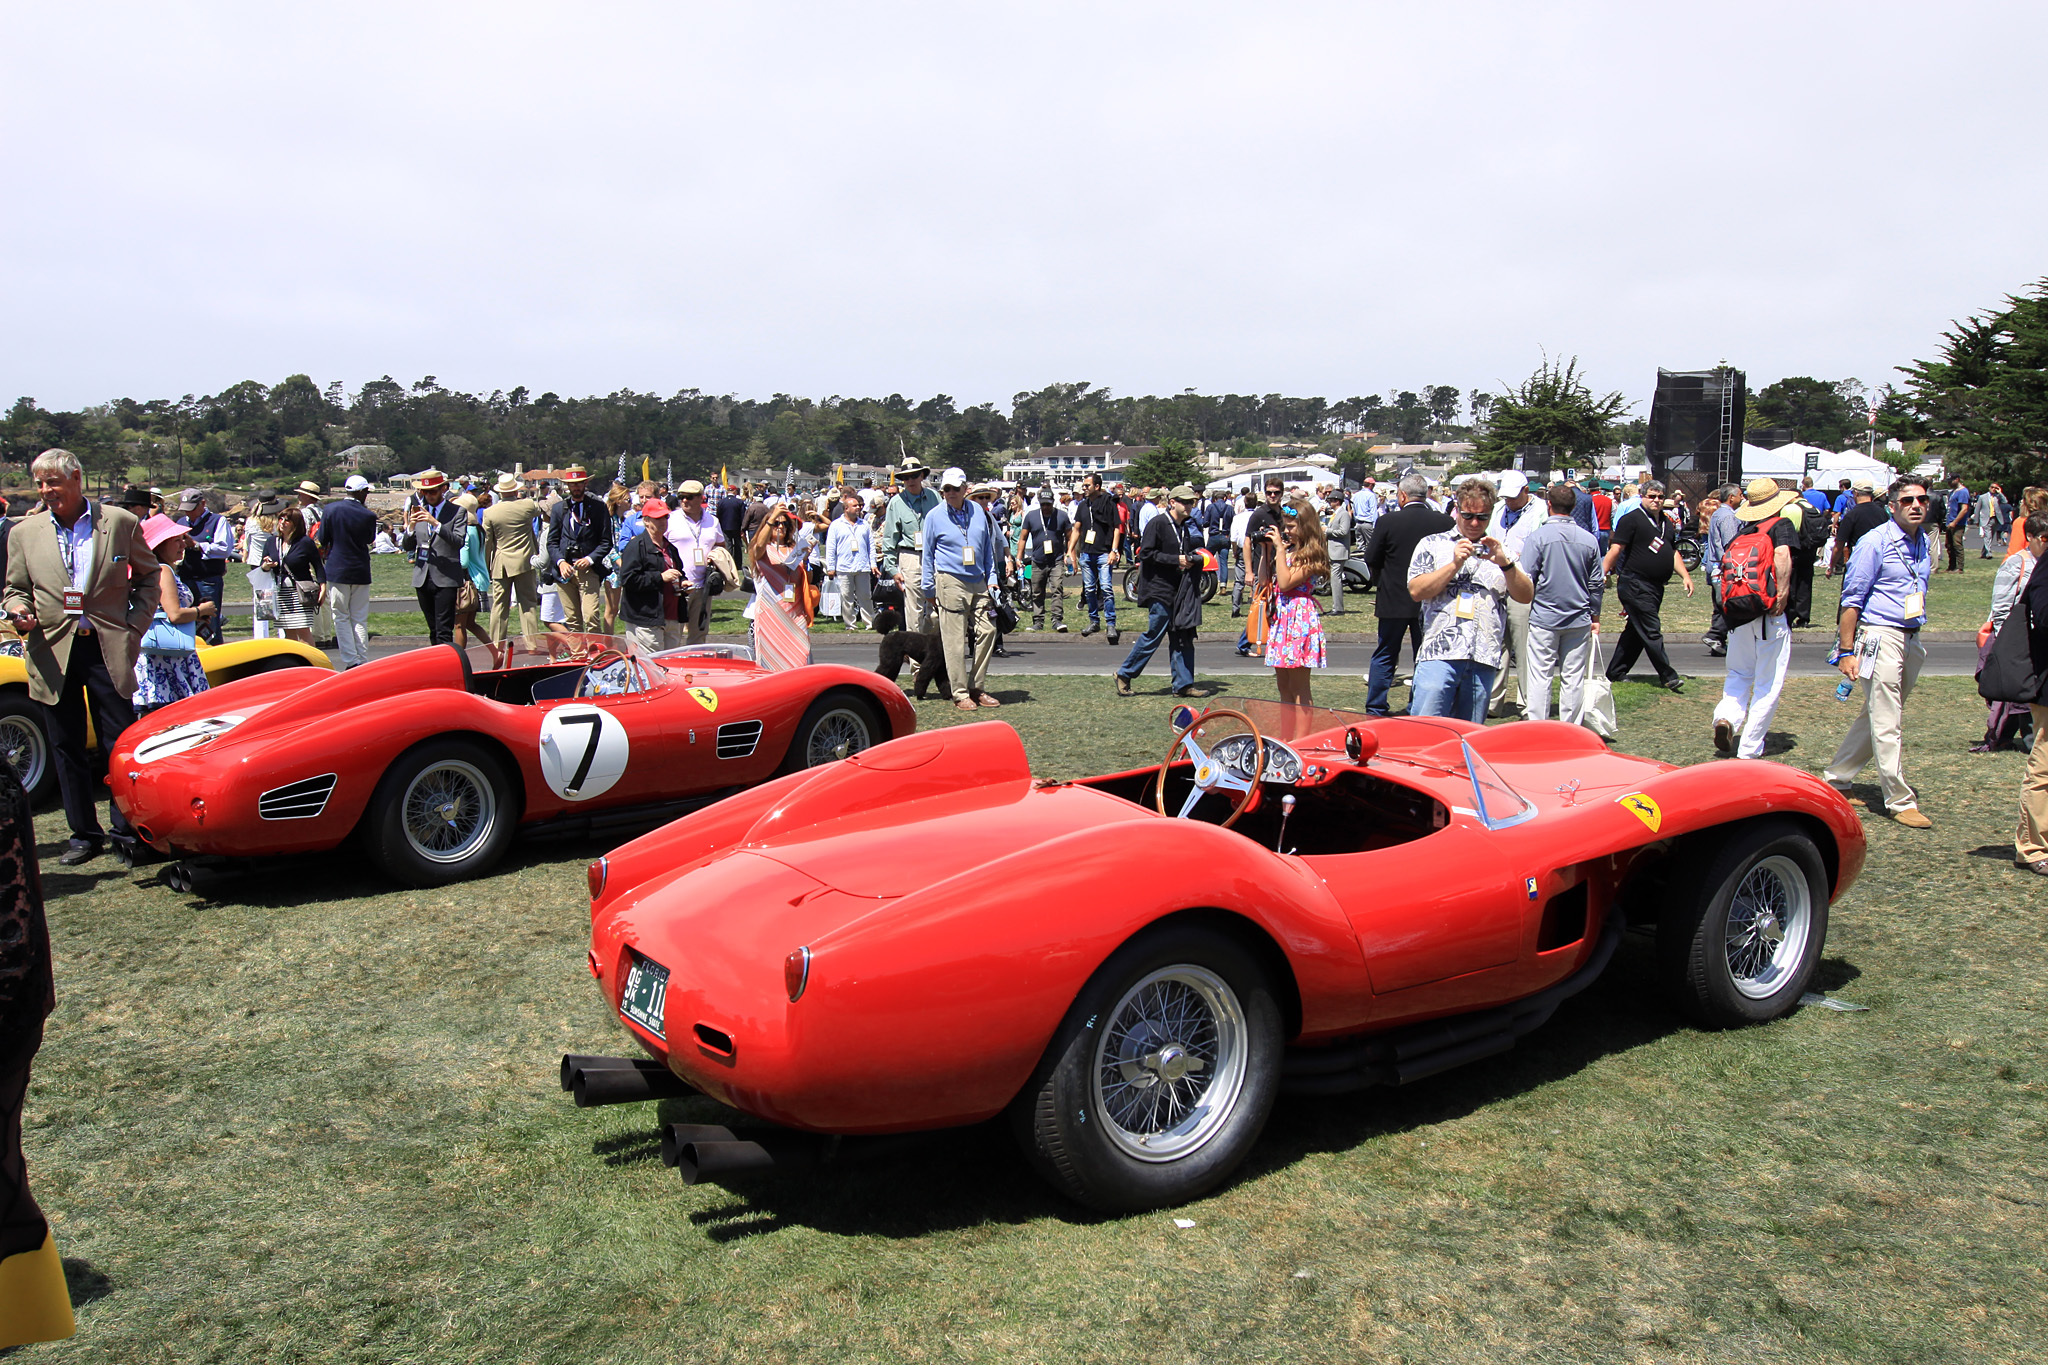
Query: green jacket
(903, 526)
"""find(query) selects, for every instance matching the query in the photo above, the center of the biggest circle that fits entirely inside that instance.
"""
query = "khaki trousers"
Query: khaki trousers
(1518, 645)
(2030, 845)
(960, 602)
(523, 589)
(668, 636)
(582, 594)
(1876, 733)
(697, 607)
(917, 613)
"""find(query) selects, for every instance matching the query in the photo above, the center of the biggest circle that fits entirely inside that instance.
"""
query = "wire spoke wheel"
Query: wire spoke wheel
(23, 746)
(449, 811)
(1170, 1063)
(839, 733)
(1769, 921)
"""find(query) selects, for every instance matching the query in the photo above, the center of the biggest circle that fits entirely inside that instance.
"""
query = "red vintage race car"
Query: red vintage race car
(1133, 966)
(434, 758)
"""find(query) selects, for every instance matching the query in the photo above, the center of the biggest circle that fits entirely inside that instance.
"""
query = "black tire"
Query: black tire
(1689, 550)
(836, 719)
(1067, 1121)
(1131, 584)
(469, 784)
(1321, 585)
(26, 746)
(1209, 585)
(1741, 943)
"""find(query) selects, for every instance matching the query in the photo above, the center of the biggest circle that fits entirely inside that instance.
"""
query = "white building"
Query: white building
(1064, 466)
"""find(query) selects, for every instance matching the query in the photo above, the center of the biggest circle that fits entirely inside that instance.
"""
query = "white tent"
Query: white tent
(1788, 463)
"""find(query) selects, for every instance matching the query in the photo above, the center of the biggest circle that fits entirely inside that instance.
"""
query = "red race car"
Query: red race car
(1133, 966)
(435, 757)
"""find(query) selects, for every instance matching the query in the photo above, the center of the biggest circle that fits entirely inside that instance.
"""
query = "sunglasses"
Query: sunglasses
(1909, 499)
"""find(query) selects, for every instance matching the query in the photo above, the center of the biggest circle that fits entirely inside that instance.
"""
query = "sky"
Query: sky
(978, 199)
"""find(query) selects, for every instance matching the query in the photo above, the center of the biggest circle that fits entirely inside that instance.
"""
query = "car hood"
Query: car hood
(909, 814)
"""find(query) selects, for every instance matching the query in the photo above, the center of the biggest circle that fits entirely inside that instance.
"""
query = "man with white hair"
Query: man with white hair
(82, 587)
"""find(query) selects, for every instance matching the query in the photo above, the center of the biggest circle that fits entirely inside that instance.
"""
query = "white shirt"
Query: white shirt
(850, 546)
(1533, 514)
(694, 541)
(75, 545)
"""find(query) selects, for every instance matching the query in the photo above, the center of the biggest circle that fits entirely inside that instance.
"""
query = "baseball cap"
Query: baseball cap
(191, 497)
(654, 507)
(1045, 493)
(1513, 484)
(956, 477)
(356, 483)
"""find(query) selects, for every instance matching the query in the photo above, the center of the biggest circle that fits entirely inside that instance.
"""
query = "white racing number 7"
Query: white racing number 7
(583, 751)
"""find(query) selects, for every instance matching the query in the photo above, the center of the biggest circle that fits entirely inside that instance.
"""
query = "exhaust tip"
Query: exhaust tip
(701, 1161)
(676, 1136)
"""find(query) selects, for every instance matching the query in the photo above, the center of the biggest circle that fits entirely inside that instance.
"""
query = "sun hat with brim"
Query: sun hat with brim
(913, 469)
(133, 496)
(432, 478)
(507, 485)
(575, 473)
(161, 528)
(655, 508)
(1763, 499)
(311, 489)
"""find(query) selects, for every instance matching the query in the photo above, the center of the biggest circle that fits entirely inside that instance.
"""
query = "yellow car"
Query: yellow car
(24, 745)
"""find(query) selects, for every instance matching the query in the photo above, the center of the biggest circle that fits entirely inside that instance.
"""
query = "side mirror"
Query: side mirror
(1359, 746)
(1181, 717)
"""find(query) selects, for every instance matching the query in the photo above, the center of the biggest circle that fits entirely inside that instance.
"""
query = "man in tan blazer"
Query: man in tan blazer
(510, 548)
(81, 589)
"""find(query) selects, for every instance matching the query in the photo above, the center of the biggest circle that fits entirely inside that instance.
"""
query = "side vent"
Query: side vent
(739, 739)
(1564, 919)
(297, 801)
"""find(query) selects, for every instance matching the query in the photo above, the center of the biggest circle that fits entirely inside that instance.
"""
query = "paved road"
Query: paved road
(1949, 654)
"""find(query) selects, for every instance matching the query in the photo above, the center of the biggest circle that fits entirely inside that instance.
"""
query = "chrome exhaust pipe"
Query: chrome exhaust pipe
(594, 1087)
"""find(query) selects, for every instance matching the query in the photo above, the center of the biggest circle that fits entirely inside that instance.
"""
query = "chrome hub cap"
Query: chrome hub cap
(23, 748)
(449, 812)
(1769, 921)
(1170, 1063)
(838, 734)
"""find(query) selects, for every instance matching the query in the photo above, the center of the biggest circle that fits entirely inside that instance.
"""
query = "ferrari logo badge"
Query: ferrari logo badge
(1644, 809)
(1202, 773)
(708, 699)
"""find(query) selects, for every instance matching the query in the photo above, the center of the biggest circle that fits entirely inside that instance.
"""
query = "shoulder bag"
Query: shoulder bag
(1258, 622)
(164, 640)
(2008, 673)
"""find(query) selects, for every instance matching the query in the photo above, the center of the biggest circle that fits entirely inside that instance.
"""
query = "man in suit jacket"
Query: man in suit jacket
(579, 544)
(1394, 538)
(436, 527)
(509, 551)
(81, 588)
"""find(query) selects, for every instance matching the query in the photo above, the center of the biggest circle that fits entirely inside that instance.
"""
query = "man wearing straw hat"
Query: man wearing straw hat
(435, 530)
(1758, 651)
(510, 549)
(903, 543)
(579, 543)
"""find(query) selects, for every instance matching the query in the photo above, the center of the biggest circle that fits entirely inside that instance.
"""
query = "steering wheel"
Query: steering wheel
(603, 659)
(1209, 774)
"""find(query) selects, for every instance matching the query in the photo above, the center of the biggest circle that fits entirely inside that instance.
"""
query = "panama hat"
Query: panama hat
(575, 473)
(507, 485)
(310, 489)
(1763, 499)
(431, 478)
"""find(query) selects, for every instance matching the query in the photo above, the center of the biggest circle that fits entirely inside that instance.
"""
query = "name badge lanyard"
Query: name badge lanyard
(67, 550)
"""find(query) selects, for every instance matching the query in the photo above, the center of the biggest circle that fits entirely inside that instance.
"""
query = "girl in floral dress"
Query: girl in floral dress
(161, 679)
(1295, 644)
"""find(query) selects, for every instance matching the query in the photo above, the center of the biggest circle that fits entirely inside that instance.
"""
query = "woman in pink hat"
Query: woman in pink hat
(168, 669)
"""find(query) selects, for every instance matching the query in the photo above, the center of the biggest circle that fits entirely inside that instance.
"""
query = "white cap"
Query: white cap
(1513, 484)
(956, 477)
(356, 483)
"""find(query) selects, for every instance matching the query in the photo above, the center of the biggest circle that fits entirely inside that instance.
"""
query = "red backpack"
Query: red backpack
(1749, 575)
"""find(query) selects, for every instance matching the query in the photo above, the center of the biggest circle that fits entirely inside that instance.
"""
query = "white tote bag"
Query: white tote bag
(1599, 695)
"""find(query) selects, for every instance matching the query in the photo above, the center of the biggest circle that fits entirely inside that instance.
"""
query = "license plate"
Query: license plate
(646, 993)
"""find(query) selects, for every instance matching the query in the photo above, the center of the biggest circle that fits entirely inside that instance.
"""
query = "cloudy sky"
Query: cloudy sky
(980, 198)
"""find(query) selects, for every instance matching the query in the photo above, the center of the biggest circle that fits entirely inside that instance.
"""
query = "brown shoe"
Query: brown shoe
(1123, 686)
(1851, 797)
(1911, 818)
(965, 706)
(984, 699)
(1724, 739)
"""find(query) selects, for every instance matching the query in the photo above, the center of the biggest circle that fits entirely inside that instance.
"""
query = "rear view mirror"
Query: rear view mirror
(1181, 717)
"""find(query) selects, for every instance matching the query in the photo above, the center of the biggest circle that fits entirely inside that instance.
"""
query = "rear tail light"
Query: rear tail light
(597, 872)
(796, 972)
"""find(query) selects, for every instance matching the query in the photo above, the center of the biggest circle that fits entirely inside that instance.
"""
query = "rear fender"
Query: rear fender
(964, 983)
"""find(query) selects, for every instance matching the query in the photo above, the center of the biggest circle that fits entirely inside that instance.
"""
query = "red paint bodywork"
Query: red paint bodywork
(954, 908)
(304, 723)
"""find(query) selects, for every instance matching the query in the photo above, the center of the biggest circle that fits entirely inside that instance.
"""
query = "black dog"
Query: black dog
(899, 645)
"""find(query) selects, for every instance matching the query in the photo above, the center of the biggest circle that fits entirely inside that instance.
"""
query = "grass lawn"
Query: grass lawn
(316, 1119)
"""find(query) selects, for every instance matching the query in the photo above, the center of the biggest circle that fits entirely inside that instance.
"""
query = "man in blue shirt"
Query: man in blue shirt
(346, 533)
(961, 564)
(1884, 592)
(1955, 521)
(1722, 527)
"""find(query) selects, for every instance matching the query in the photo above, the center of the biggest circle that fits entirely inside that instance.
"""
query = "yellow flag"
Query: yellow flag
(644, 475)
(722, 480)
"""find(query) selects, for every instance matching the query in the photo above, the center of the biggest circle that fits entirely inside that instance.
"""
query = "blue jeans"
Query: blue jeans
(1385, 655)
(1098, 587)
(1180, 649)
(1456, 688)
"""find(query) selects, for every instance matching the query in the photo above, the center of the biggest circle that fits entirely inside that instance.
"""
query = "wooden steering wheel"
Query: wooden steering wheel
(1209, 774)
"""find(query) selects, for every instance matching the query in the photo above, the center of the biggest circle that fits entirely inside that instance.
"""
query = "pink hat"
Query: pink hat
(161, 528)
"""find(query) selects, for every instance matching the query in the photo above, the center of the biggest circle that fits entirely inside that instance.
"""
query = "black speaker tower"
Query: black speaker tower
(1696, 429)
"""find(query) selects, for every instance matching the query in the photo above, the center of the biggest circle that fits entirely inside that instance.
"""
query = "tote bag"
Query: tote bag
(1258, 623)
(1598, 697)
